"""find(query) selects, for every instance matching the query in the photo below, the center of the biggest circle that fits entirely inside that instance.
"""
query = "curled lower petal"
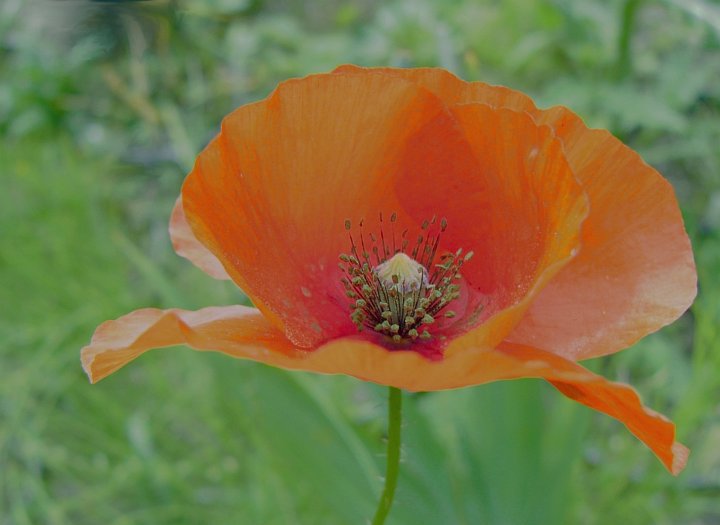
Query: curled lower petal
(188, 246)
(617, 400)
(242, 332)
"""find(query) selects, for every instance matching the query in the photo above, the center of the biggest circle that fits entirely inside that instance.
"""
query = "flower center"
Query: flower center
(398, 292)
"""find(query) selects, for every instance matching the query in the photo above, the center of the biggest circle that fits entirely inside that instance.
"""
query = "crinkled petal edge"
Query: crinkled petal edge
(243, 332)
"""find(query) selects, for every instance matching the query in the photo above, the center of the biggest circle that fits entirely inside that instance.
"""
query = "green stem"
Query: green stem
(393, 455)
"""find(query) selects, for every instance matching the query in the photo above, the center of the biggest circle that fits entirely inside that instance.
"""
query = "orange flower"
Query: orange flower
(304, 200)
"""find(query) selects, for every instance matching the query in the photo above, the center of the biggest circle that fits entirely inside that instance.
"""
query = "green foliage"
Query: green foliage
(103, 107)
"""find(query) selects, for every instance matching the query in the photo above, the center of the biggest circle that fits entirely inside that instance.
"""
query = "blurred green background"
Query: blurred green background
(103, 107)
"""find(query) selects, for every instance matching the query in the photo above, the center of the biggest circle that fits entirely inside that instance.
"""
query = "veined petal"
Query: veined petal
(187, 245)
(635, 272)
(270, 195)
(243, 332)
(518, 207)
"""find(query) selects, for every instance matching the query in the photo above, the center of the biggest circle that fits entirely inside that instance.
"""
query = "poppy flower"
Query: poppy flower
(411, 229)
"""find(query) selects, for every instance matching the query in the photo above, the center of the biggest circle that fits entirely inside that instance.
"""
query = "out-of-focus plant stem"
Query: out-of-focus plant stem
(624, 56)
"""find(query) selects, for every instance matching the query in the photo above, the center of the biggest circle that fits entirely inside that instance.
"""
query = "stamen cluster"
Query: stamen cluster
(399, 292)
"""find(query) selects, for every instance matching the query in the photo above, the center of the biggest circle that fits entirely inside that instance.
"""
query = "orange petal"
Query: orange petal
(522, 228)
(614, 399)
(270, 195)
(635, 272)
(186, 244)
(242, 332)
(518, 207)
(450, 88)
(116, 343)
